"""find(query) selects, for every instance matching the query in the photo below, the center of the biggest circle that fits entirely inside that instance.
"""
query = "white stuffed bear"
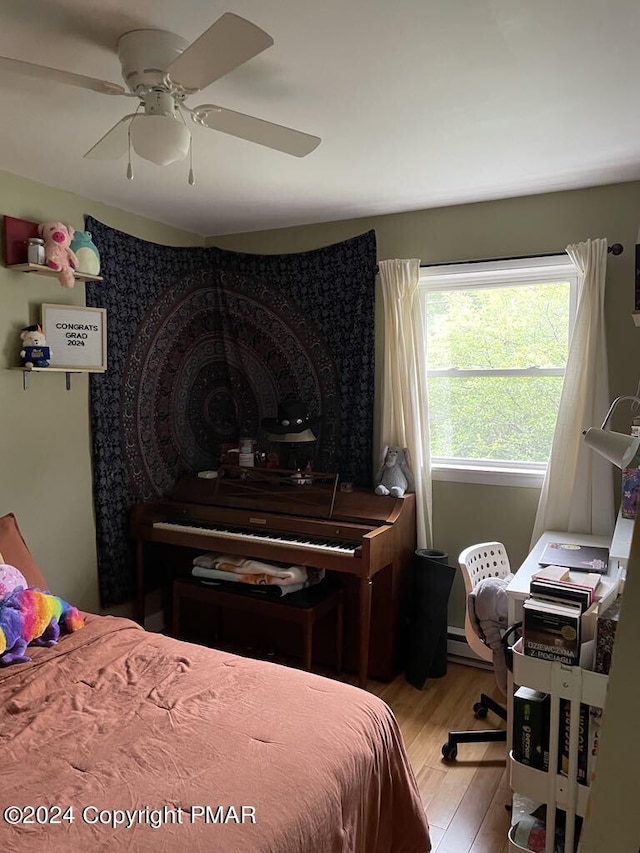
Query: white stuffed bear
(394, 475)
(34, 352)
(57, 252)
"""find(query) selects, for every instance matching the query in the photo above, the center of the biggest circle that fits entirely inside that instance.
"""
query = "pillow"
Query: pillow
(15, 551)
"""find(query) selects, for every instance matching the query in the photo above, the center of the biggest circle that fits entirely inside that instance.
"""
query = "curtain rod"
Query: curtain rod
(615, 249)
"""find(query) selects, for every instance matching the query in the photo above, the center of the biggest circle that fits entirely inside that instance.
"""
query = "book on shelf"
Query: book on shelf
(531, 712)
(562, 592)
(595, 722)
(552, 573)
(552, 630)
(560, 574)
(580, 558)
(564, 740)
(606, 624)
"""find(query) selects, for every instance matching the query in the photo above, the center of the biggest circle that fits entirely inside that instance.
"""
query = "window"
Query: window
(497, 337)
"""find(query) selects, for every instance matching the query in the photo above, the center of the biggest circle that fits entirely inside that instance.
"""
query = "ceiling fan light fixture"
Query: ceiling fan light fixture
(160, 138)
(161, 71)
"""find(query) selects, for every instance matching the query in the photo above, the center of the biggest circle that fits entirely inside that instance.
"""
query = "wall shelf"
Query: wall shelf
(41, 269)
(67, 370)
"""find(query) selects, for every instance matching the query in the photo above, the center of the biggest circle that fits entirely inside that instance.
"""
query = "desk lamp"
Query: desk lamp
(615, 446)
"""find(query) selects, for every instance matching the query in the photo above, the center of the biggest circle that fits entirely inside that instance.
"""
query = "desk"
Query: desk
(518, 590)
(619, 548)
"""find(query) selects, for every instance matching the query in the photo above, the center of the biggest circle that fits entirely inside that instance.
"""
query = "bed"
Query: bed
(119, 739)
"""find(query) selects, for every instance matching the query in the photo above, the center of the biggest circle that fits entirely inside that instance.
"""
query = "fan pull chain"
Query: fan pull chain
(192, 180)
(129, 166)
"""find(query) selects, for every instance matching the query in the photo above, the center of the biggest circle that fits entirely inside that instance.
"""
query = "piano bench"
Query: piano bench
(303, 608)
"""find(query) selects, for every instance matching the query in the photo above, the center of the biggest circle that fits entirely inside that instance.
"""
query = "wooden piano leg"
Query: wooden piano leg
(175, 627)
(365, 630)
(307, 652)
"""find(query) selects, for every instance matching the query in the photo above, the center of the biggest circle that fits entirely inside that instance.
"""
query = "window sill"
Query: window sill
(488, 476)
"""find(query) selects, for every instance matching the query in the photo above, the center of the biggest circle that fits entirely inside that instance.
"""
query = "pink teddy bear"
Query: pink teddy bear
(57, 252)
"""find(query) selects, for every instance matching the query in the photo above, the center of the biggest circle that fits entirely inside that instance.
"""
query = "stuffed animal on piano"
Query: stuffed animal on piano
(394, 474)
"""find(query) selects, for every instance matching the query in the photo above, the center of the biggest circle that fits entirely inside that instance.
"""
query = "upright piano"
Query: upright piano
(367, 539)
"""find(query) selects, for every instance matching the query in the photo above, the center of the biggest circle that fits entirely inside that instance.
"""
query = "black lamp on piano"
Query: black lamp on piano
(293, 429)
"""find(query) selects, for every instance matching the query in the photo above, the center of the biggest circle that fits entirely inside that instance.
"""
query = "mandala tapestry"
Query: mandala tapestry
(202, 345)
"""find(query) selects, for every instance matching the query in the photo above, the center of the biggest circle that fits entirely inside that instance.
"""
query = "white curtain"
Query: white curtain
(577, 495)
(404, 405)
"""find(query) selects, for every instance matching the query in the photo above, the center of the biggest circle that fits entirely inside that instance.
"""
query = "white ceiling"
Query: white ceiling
(419, 103)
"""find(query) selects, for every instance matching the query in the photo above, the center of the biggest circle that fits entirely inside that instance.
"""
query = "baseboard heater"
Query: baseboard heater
(459, 650)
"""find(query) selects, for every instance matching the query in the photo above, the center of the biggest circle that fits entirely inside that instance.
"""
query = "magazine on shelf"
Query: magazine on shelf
(580, 558)
(552, 631)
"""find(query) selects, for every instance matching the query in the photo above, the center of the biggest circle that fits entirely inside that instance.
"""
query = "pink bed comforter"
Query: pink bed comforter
(121, 740)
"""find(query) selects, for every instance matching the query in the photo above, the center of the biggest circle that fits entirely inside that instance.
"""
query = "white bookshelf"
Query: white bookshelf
(573, 683)
(556, 791)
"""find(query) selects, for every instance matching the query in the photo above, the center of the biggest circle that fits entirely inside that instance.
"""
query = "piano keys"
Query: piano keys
(324, 546)
(367, 539)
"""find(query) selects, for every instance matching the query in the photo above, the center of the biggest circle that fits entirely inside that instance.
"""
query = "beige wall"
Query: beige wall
(45, 469)
(612, 815)
(45, 463)
(511, 227)
(467, 514)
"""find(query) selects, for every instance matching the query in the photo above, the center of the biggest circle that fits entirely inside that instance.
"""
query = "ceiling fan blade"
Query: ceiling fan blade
(41, 72)
(255, 130)
(114, 143)
(226, 44)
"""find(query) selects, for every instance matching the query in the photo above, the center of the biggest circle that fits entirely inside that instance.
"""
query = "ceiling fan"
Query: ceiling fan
(161, 70)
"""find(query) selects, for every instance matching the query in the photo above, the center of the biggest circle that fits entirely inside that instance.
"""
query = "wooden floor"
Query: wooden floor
(464, 799)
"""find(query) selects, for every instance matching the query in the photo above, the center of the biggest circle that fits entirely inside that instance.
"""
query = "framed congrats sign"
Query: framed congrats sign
(76, 336)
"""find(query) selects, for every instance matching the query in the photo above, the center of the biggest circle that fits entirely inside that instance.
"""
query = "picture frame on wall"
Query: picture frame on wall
(76, 336)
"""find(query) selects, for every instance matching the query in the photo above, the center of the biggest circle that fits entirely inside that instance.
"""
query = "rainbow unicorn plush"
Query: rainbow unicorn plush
(29, 615)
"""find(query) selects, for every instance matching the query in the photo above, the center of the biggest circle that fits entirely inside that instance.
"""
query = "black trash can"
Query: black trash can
(429, 589)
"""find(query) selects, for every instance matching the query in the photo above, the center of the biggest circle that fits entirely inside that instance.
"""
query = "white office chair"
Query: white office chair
(489, 559)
